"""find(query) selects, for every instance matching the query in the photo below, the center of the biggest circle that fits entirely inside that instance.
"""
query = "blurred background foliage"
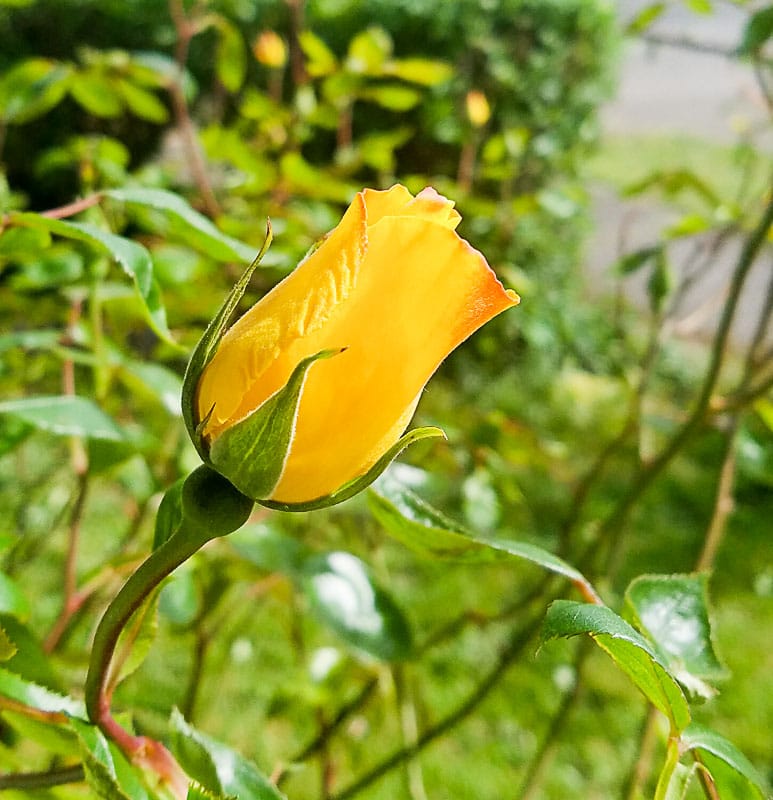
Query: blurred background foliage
(583, 425)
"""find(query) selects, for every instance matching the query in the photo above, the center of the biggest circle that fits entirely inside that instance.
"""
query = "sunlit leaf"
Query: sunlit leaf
(423, 71)
(230, 55)
(97, 93)
(320, 59)
(627, 648)
(392, 96)
(142, 103)
(31, 88)
(645, 18)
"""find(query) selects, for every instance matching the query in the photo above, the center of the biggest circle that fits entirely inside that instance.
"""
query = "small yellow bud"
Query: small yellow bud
(478, 109)
(270, 50)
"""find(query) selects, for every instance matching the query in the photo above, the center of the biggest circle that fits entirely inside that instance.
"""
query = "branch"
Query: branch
(42, 780)
(518, 641)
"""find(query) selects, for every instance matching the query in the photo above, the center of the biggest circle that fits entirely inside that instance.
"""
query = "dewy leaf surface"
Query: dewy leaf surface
(629, 650)
(673, 611)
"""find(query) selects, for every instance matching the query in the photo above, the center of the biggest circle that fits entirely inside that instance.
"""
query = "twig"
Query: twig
(518, 641)
(723, 502)
(73, 208)
(531, 783)
(343, 713)
(186, 30)
(613, 525)
(42, 780)
(641, 769)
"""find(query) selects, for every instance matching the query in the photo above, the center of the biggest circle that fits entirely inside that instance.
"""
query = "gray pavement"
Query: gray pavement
(683, 91)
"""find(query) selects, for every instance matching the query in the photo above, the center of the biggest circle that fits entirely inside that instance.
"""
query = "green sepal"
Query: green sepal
(252, 453)
(356, 485)
(210, 504)
(207, 347)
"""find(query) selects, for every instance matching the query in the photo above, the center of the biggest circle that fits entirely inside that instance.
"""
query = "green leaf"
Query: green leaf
(169, 516)
(142, 103)
(181, 219)
(30, 661)
(136, 640)
(252, 453)
(679, 782)
(207, 346)
(196, 792)
(264, 546)
(12, 598)
(660, 282)
(230, 55)
(35, 696)
(368, 51)
(673, 612)
(758, 30)
(417, 524)
(31, 88)
(645, 18)
(357, 485)
(97, 93)
(180, 600)
(161, 381)
(98, 762)
(344, 595)
(423, 71)
(15, 242)
(7, 647)
(320, 59)
(632, 262)
(65, 415)
(628, 649)
(735, 776)
(133, 258)
(391, 96)
(216, 767)
(699, 6)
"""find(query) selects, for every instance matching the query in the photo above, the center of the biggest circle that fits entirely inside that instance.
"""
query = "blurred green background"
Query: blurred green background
(599, 179)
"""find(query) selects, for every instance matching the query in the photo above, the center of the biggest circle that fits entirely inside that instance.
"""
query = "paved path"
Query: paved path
(667, 90)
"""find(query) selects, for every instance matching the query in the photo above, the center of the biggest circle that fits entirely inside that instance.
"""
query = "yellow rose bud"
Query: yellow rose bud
(270, 50)
(478, 109)
(359, 327)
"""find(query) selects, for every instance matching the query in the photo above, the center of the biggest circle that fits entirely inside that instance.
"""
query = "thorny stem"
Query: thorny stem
(518, 641)
(186, 30)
